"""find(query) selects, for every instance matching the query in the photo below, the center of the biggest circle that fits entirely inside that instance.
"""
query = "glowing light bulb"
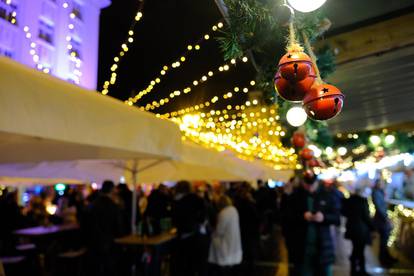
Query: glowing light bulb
(342, 151)
(375, 140)
(306, 5)
(316, 151)
(296, 116)
(389, 139)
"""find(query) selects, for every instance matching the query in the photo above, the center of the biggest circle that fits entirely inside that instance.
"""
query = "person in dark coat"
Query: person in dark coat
(358, 229)
(102, 223)
(310, 213)
(189, 215)
(288, 189)
(249, 220)
(159, 207)
(12, 219)
(381, 222)
(125, 197)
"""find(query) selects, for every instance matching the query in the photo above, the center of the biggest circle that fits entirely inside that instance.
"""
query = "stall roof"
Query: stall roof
(43, 118)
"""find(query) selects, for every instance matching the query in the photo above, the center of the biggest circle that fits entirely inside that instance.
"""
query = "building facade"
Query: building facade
(58, 37)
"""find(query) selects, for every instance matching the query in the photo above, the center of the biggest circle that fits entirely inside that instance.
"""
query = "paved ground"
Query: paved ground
(274, 261)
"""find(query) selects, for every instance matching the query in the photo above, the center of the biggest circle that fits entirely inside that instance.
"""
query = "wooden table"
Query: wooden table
(135, 240)
(155, 246)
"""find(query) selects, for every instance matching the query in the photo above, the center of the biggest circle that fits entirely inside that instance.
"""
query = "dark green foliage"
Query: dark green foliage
(318, 133)
(325, 60)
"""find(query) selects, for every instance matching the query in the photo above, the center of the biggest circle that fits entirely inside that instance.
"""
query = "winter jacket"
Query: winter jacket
(359, 224)
(324, 202)
(381, 221)
(226, 248)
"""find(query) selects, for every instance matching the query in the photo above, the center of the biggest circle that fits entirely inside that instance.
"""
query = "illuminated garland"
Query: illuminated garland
(13, 19)
(165, 69)
(208, 103)
(188, 89)
(252, 134)
(73, 55)
(33, 51)
(28, 35)
(123, 51)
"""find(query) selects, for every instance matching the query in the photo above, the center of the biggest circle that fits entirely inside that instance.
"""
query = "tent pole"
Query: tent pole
(134, 197)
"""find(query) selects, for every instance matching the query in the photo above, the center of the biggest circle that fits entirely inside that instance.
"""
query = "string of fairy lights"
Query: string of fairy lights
(254, 133)
(250, 131)
(215, 99)
(189, 88)
(33, 51)
(124, 49)
(174, 65)
(12, 18)
(73, 52)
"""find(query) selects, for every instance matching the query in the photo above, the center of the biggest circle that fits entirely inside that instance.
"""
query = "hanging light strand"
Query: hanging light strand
(252, 134)
(12, 16)
(177, 93)
(175, 64)
(124, 49)
(34, 52)
(74, 57)
(215, 99)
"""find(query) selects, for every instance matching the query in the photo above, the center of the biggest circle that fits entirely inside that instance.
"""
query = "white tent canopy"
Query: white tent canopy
(43, 118)
(195, 163)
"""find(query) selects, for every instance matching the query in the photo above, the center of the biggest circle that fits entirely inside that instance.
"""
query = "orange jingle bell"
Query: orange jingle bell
(323, 102)
(294, 91)
(306, 154)
(295, 66)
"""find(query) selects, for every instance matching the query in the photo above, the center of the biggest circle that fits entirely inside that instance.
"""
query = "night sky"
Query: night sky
(161, 37)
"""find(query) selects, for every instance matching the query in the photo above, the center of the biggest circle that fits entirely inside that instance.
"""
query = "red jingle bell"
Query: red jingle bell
(295, 66)
(323, 102)
(298, 139)
(313, 163)
(294, 91)
(306, 154)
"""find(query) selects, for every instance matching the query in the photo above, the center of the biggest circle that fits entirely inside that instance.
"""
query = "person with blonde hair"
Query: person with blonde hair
(225, 248)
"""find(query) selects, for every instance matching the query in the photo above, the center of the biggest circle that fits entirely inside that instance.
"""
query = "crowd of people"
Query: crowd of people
(219, 228)
(312, 211)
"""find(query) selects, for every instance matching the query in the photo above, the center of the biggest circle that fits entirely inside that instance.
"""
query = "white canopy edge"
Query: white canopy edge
(195, 163)
(43, 118)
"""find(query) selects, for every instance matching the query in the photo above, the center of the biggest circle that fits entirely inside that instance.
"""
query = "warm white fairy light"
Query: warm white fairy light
(33, 51)
(215, 99)
(165, 69)
(124, 49)
(73, 55)
(156, 104)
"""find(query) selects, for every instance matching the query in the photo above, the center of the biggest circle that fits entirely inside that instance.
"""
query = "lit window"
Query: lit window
(8, 12)
(77, 10)
(75, 49)
(6, 52)
(46, 32)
